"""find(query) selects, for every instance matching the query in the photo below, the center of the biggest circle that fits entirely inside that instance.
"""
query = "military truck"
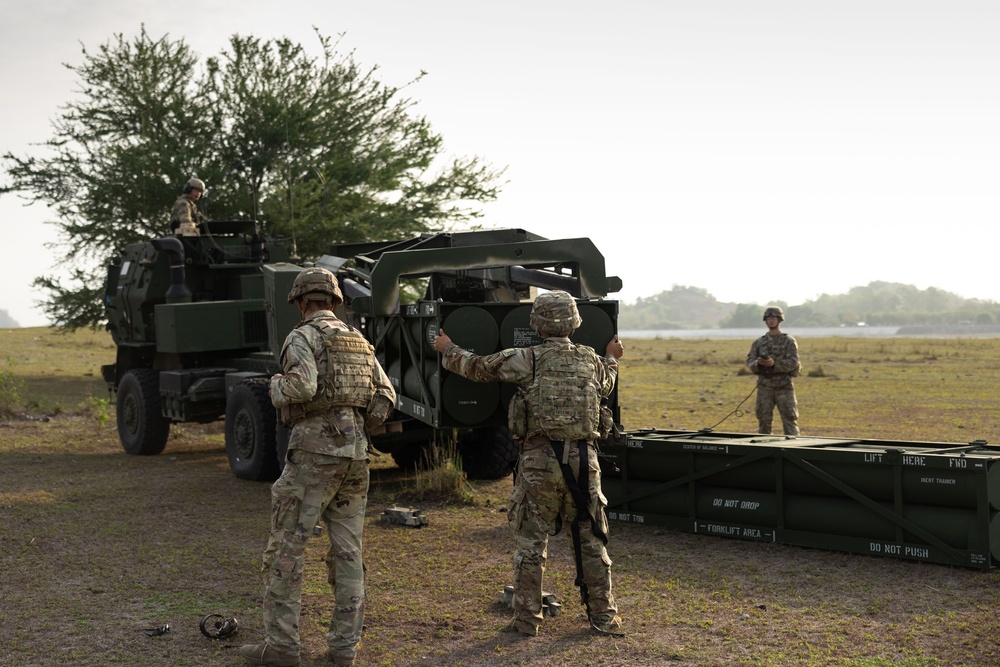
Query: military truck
(199, 321)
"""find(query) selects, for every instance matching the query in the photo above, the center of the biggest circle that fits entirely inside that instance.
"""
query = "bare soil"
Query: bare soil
(96, 547)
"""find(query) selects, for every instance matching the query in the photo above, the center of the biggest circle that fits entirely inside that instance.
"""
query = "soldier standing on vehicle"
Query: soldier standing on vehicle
(332, 392)
(185, 218)
(558, 414)
(774, 359)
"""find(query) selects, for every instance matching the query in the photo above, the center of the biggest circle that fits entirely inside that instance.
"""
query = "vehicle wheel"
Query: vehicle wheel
(250, 432)
(142, 428)
(488, 453)
(410, 455)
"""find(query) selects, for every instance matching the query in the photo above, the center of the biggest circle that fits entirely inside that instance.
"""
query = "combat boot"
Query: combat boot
(612, 626)
(340, 659)
(262, 654)
(524, 627)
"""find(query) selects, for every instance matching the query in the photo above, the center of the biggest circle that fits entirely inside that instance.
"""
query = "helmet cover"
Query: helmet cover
(774, 311)
(555, 313)
(316, 284)
(194, 184)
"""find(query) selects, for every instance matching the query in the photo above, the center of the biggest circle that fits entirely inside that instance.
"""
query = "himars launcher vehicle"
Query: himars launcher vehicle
(199, 321)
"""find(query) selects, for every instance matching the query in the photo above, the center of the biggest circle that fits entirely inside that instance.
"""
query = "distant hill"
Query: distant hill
(876, 304)
(7, 322)
(680, 308)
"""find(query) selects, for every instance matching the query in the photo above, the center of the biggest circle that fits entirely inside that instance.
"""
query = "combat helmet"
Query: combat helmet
(194, 184)
(776, 312)
(312, 282)
(555, 313)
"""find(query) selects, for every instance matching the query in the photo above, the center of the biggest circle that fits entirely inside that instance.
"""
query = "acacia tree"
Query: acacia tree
(313, 148)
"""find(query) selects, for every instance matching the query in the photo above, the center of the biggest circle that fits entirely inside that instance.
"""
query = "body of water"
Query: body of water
(956, 331)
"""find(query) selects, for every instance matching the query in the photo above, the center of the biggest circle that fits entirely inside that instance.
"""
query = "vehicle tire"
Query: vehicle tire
(410, 455)
(250, 432)
(142, 428)
(488, 453)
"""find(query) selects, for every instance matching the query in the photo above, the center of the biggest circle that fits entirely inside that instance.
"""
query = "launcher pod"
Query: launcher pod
(199, 322)
(923, 501)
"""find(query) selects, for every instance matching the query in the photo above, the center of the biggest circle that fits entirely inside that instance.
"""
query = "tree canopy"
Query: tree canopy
(682, 307)
(313, 148)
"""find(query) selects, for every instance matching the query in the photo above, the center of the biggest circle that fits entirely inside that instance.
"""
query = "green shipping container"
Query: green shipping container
(933, 502)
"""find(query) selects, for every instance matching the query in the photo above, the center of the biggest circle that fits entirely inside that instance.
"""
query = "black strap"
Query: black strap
(579, 488)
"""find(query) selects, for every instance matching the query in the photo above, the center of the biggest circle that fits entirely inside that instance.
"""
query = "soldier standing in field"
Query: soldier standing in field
(774, 359)
(558, 415)
(185, 218)
(332, 392)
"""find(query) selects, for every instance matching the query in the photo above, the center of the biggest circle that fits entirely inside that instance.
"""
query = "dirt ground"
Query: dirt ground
(97, 547)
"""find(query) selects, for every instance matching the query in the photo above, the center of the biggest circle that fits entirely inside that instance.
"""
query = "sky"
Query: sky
(762, 150)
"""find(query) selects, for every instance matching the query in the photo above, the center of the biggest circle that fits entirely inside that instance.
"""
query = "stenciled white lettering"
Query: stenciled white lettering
(735, 503)
(898, 550)
(938, 480)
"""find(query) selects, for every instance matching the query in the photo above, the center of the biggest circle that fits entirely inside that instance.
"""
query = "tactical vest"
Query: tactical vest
(563, 401)
(779, 348)
(345, 380)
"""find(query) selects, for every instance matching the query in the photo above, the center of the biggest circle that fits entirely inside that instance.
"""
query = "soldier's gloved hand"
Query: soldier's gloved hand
(441, 341)
(615, 348)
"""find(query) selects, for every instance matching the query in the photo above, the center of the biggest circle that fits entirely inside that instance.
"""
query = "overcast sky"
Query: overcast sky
(761, 150)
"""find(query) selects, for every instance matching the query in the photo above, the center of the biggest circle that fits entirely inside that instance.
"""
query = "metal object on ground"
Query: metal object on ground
(406, 516)
(550, 607)
(932, 502)
(157, 631)
(214, 626)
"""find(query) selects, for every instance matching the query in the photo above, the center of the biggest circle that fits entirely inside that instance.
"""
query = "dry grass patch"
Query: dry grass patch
(96, 545)
(899, 389)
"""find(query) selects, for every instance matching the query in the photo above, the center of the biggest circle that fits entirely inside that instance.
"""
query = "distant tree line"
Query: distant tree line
(876, 304)
(681, 307)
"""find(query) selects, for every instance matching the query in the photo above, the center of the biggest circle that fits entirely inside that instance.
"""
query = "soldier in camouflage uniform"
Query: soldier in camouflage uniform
(185, 218)
(774, 358)
(557, 413)
(332, 392)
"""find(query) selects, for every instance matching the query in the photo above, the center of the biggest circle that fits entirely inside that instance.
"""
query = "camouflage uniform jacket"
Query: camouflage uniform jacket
(341, 431)
(517, 365)
(785, 352)
(184, 211)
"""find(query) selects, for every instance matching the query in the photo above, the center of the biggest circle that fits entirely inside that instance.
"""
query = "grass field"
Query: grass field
(900, 389)
(97, 546)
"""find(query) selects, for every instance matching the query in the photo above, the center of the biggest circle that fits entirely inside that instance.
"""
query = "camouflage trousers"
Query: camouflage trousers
(313, 488)
(540, 504)
(783, 398)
